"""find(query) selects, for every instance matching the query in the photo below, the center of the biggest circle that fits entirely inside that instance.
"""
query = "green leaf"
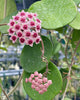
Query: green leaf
(62, 30)
(54, 13)
(3, 29)
(53, 89)
(11, 7)
(56, 46)
(75, 39)
(76, 22)
(31, 56)
(3, 48)
(77, 1)
(67, 99)
(76, 67)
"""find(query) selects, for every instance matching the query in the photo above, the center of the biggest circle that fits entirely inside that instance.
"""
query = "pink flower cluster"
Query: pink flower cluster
(39, 83)
(26, 27)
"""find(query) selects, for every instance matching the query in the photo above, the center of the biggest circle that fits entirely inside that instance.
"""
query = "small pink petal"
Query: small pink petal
(30, 42)
(16, 18)
(19, 34)
(46, 85)
(34, 34)
(36, 79)
(32, 76)
(33, 82)
(41, 92)
(13, 38)
(45, 79)
(17, 27)
(39, 80)
(38, 39)
(30, 79)
(27, 34)
(29, 15)
(38, 20)
(25, 26)
(40, 75)
(41, 86)
(22, 40)
(49, 82)
(32, 24)
(37, 84)
(35, 73)
(33, 86)
(37, 88)
(22, 19)
(44, 89)
(35, 14)
(11, 31)
(26, 80)
(11, 23)
(22, 13)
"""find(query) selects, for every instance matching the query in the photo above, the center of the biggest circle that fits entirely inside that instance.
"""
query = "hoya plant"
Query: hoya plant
(42, 79)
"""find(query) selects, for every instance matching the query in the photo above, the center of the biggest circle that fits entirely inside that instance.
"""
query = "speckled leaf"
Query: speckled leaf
(3, 29)
(54, 13)
(31, 56)
(53, 89)
(11, 7)
(76, 22)
(75, 39)
(77, 1)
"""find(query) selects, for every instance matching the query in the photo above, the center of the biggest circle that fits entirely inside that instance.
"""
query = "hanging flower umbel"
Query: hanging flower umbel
(26, 27)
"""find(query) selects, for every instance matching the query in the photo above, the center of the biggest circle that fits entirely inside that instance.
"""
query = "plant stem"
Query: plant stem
(3, 24)
(44, 58)
(70, 66)
(67, 47)
(42, 47)
(4, 92)
(5, 8)
(17, 84)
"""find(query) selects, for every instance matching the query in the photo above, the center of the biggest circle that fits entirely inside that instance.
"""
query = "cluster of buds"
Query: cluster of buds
(39, 82)
(26, 27)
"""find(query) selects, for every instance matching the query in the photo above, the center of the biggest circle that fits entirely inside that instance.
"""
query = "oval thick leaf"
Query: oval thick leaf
(54, 13)
(11, 7)
(53, 89)
(77, 1)
(75, 39)
(76, 22)
(31, 56)
(3, 29)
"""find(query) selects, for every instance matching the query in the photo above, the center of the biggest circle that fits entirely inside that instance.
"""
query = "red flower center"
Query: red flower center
(22, 40)
(30, 41)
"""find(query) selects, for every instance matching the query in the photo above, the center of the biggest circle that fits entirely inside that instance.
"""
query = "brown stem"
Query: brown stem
(3, 24)
(4, 92)
(70, 66)
(17, 84)
(44, 58)
(5, 8)
(42, 48)
(67, 48)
